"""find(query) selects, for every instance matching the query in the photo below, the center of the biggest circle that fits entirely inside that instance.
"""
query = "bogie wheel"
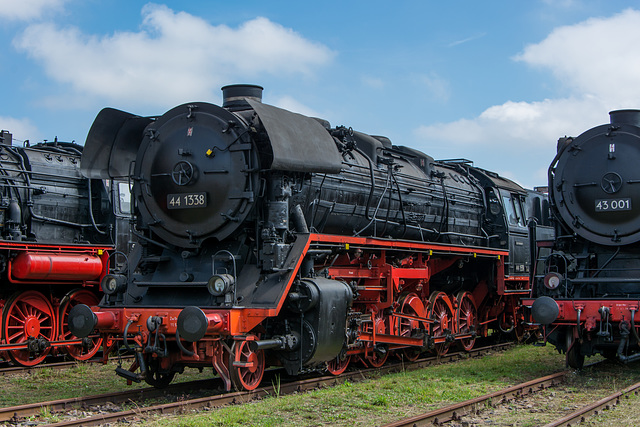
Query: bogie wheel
(90, 345)
(441, 312)
(467, 319)
(338, 365)
(155, 378)
(28, 317)
(410, 305)
(246, 367)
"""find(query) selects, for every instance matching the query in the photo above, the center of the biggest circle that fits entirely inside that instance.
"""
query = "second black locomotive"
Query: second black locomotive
(57, 232)
(589, 290)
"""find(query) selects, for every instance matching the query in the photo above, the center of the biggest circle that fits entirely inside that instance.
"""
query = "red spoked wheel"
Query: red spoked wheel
(246, 367)
(441, 312)
(466, 319)
(29, 317)
(90, 345)
(410, 305)
(338, 365)
(377, 358)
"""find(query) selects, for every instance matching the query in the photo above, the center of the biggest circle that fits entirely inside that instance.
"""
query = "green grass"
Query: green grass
(83, 379)
(374, 401)
(380, 400)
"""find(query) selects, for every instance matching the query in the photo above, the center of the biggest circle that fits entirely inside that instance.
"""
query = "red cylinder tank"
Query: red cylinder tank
(38, 266)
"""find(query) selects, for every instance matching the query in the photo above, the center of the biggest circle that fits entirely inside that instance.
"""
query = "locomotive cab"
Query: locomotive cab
(510, 210)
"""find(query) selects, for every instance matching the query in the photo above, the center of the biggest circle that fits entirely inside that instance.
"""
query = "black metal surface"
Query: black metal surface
(298, 143)
(112, 144)
(212, 181)
(192, 324)
(193, 153)
(544, 310)
(596, 185)
(47, 200)
(82, 320)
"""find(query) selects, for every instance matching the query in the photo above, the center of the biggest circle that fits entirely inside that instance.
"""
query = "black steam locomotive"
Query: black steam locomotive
(270, 238)
(589, 290)
(57, 231)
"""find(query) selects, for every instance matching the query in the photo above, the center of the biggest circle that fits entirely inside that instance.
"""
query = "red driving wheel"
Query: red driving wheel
(28, 317)
(338, 365)
(91, 344)
(441, 313)
(467, 319)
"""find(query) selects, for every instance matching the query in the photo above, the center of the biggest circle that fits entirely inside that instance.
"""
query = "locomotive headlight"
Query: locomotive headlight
(552, 280)
(111, 284)
(220, 284)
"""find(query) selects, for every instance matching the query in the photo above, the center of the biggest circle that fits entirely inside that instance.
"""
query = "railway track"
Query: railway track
(12, 370)
(16, 414)
(457, 411)
(8, 369)
(595, 408)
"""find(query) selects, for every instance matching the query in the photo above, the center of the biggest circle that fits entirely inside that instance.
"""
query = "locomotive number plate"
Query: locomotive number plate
(610, 205)
(187, 200)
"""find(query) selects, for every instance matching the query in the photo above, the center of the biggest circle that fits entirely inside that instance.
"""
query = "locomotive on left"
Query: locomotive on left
(57, 232)
(270, 238)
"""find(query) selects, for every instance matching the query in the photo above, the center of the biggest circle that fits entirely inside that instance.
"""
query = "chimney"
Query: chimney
(235, 96)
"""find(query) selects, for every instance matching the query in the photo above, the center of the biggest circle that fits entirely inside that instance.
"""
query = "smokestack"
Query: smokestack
(235, 96)
(621, 117)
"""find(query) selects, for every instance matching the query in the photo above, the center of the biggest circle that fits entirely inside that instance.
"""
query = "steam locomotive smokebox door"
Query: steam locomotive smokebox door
(600, 202)
(197, 178)
(324, 322)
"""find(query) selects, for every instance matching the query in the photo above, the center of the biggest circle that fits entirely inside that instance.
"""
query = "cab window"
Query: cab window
(513, 210)
(517, 202)
(124, 198)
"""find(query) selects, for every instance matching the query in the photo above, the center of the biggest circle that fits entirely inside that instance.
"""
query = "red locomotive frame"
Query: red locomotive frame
(396, 308)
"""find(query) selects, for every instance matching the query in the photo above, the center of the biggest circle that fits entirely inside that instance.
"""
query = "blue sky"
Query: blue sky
(496, 82)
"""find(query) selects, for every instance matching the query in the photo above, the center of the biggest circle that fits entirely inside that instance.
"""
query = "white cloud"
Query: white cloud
(523, 123)
(20, 128)
(175, 57)
(25, 10)
(289, 103)
(596, 62)
(599, 56)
